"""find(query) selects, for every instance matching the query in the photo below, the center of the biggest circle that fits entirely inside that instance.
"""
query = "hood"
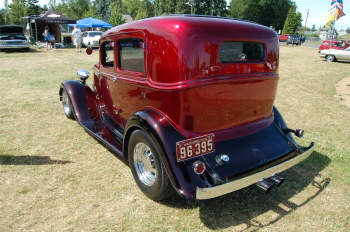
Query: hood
(11, 29)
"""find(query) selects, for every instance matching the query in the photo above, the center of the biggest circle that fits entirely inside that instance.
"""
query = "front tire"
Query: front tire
(330, 58)
(67, 105)
(147, 167)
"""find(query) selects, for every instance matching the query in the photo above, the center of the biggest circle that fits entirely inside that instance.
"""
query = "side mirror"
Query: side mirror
(89, 50)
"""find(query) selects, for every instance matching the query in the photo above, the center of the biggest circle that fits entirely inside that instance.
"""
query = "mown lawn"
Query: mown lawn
(55, 177)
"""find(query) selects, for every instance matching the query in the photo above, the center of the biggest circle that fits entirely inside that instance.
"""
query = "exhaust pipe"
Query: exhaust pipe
(277, 180)
(265, 185)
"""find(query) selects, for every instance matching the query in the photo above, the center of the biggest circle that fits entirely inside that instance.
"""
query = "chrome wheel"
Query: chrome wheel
(330, 58)
(147, 167)
(144, 164)
(67, 106)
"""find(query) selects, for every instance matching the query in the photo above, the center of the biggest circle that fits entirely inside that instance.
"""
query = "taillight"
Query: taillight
(198, 167)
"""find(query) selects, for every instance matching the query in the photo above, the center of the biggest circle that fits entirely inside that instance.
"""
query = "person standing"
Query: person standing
(76, 37)
(47, 36)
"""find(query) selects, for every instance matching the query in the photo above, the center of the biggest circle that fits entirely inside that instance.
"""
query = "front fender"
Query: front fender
(81, 98)
(165, 136)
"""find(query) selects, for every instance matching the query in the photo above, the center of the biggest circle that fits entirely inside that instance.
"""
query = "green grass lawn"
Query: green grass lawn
(55, 177)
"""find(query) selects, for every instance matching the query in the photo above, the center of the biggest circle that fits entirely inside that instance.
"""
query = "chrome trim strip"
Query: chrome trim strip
(215, 191)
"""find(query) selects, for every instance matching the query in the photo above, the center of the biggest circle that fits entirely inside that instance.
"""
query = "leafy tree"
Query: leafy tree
(2, 19)
(5, 13)
(103, 9)
(45, 8)
(116, 17)
(141, 13)
(162, 7)
(18, 10)
(313, 28)
(293, 21)
(348, 30)
(75, 9)
(32, 7)
(63, 8)
(266, 12)
(181, 7)
(131, 7)
(210, 7)
(91, 12)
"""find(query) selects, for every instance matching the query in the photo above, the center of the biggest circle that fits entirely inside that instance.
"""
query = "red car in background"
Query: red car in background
(189, 102)
(283, 37)
(332, 44)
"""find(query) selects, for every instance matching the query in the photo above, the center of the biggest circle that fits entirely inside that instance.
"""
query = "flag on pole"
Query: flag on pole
(335, 11)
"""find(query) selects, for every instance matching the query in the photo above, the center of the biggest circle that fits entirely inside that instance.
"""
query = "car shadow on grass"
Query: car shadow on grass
(29, 160)
(243, 207)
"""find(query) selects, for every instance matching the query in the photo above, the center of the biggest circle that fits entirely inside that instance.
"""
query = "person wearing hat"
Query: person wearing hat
(76, 37)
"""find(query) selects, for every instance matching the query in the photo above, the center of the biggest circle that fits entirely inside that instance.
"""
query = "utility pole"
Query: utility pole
(307, 15)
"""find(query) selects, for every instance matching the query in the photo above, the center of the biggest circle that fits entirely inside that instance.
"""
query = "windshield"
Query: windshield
(93, 34)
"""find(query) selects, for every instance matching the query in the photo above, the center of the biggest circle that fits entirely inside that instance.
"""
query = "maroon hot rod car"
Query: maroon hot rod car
(189, 101)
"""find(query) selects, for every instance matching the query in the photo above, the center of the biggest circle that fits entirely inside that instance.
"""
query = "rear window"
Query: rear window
(237, 51)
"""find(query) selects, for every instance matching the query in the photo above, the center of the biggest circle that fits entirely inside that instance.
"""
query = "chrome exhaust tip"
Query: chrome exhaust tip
(277, 180)
(265, 185)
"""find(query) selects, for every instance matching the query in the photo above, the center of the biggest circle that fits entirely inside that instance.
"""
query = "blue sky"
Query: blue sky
(317, 12)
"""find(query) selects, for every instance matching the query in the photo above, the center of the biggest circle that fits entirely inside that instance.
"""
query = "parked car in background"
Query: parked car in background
(12, 38)
(331, 44)
(332, 55)
(283, 37)
(91, 38)
(189, 101)
(293, 39)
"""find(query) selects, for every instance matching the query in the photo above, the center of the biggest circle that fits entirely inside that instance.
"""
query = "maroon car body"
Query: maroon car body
(189, 101)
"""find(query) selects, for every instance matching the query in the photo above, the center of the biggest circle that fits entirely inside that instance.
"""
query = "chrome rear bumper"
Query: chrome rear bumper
(215, 191)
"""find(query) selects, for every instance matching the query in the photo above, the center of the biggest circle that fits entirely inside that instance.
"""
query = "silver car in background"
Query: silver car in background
(332, 55)
(12, 38)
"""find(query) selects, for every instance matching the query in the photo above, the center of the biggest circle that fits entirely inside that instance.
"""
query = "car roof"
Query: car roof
(188, 21)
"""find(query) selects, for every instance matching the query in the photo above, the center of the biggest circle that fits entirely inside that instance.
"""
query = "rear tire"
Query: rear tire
(67, 105)
(147, 167)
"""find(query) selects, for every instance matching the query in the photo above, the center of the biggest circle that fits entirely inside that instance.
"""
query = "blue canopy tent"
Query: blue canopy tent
(91, 22)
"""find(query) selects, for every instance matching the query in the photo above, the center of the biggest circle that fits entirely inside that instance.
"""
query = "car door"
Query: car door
(345, 54)
(123, 78)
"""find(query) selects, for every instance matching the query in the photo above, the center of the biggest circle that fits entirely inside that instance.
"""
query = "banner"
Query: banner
(335, 12)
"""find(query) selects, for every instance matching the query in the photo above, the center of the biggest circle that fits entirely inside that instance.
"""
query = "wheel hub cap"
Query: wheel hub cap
(66, 103)
(144, 164)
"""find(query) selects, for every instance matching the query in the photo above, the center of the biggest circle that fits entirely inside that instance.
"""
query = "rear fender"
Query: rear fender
(280, 123)
(165, 136)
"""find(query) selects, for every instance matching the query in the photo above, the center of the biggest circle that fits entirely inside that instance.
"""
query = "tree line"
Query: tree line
(277, 14)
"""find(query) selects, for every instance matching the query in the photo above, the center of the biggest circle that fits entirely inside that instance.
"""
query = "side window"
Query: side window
(235, 51)
(108, 53)
(131, 54)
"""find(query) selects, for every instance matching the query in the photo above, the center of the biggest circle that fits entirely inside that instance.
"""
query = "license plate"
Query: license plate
(194, 147)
